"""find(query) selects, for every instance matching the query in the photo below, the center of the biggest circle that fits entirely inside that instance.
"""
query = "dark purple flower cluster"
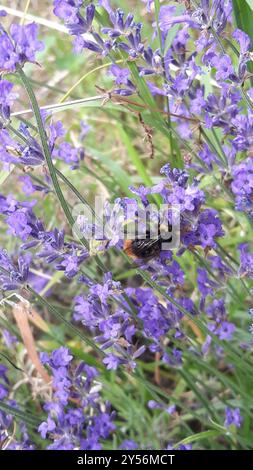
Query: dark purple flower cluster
(19, 46)
(77, 416)
(77, 18)
(107, 311)
(116, 326)
(50, 245)
(28, 151)
(13, 275)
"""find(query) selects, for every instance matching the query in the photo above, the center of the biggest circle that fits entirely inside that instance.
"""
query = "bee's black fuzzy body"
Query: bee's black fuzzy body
(144, 249)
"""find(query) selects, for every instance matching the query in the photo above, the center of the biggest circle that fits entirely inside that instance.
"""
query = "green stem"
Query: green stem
(74, 190)
(46, 149)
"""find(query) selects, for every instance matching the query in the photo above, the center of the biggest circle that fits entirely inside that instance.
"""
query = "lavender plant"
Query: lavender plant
(144, 354)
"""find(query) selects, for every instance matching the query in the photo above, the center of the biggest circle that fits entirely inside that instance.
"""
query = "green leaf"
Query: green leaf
(121, 176)
(200, 436)
(134, 156)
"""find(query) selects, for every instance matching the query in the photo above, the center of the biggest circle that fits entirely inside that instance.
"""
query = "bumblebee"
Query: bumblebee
(148, 247)
(144, 249)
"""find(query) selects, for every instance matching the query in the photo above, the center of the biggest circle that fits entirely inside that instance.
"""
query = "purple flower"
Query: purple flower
(154, 405)
(171, 409)
(21, 46)
(188, 199)
(26, 42)
(184, 447)
(102, 425)
(167, 18)
(233, 417)
(7, 98)
(29, 187)
(208, 157)
(180, 447)
(61, 357)
(243, 39)
(120, 24)
(206, 286)
(121, 75)
(246, 261)
(111, 361)
(30, 153)
(9, 339)
(242, 185)
(69, 11)
(76, 417)
(16, 273)
(225, 331)
(3, 392)
(209, 228)
(155, 90)
(69, 265)
(128, 444)
(19, 224)
(8, 57)
(69, 154)
(46, 427)
(216, 310)
(224, 68)
(174, 359)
